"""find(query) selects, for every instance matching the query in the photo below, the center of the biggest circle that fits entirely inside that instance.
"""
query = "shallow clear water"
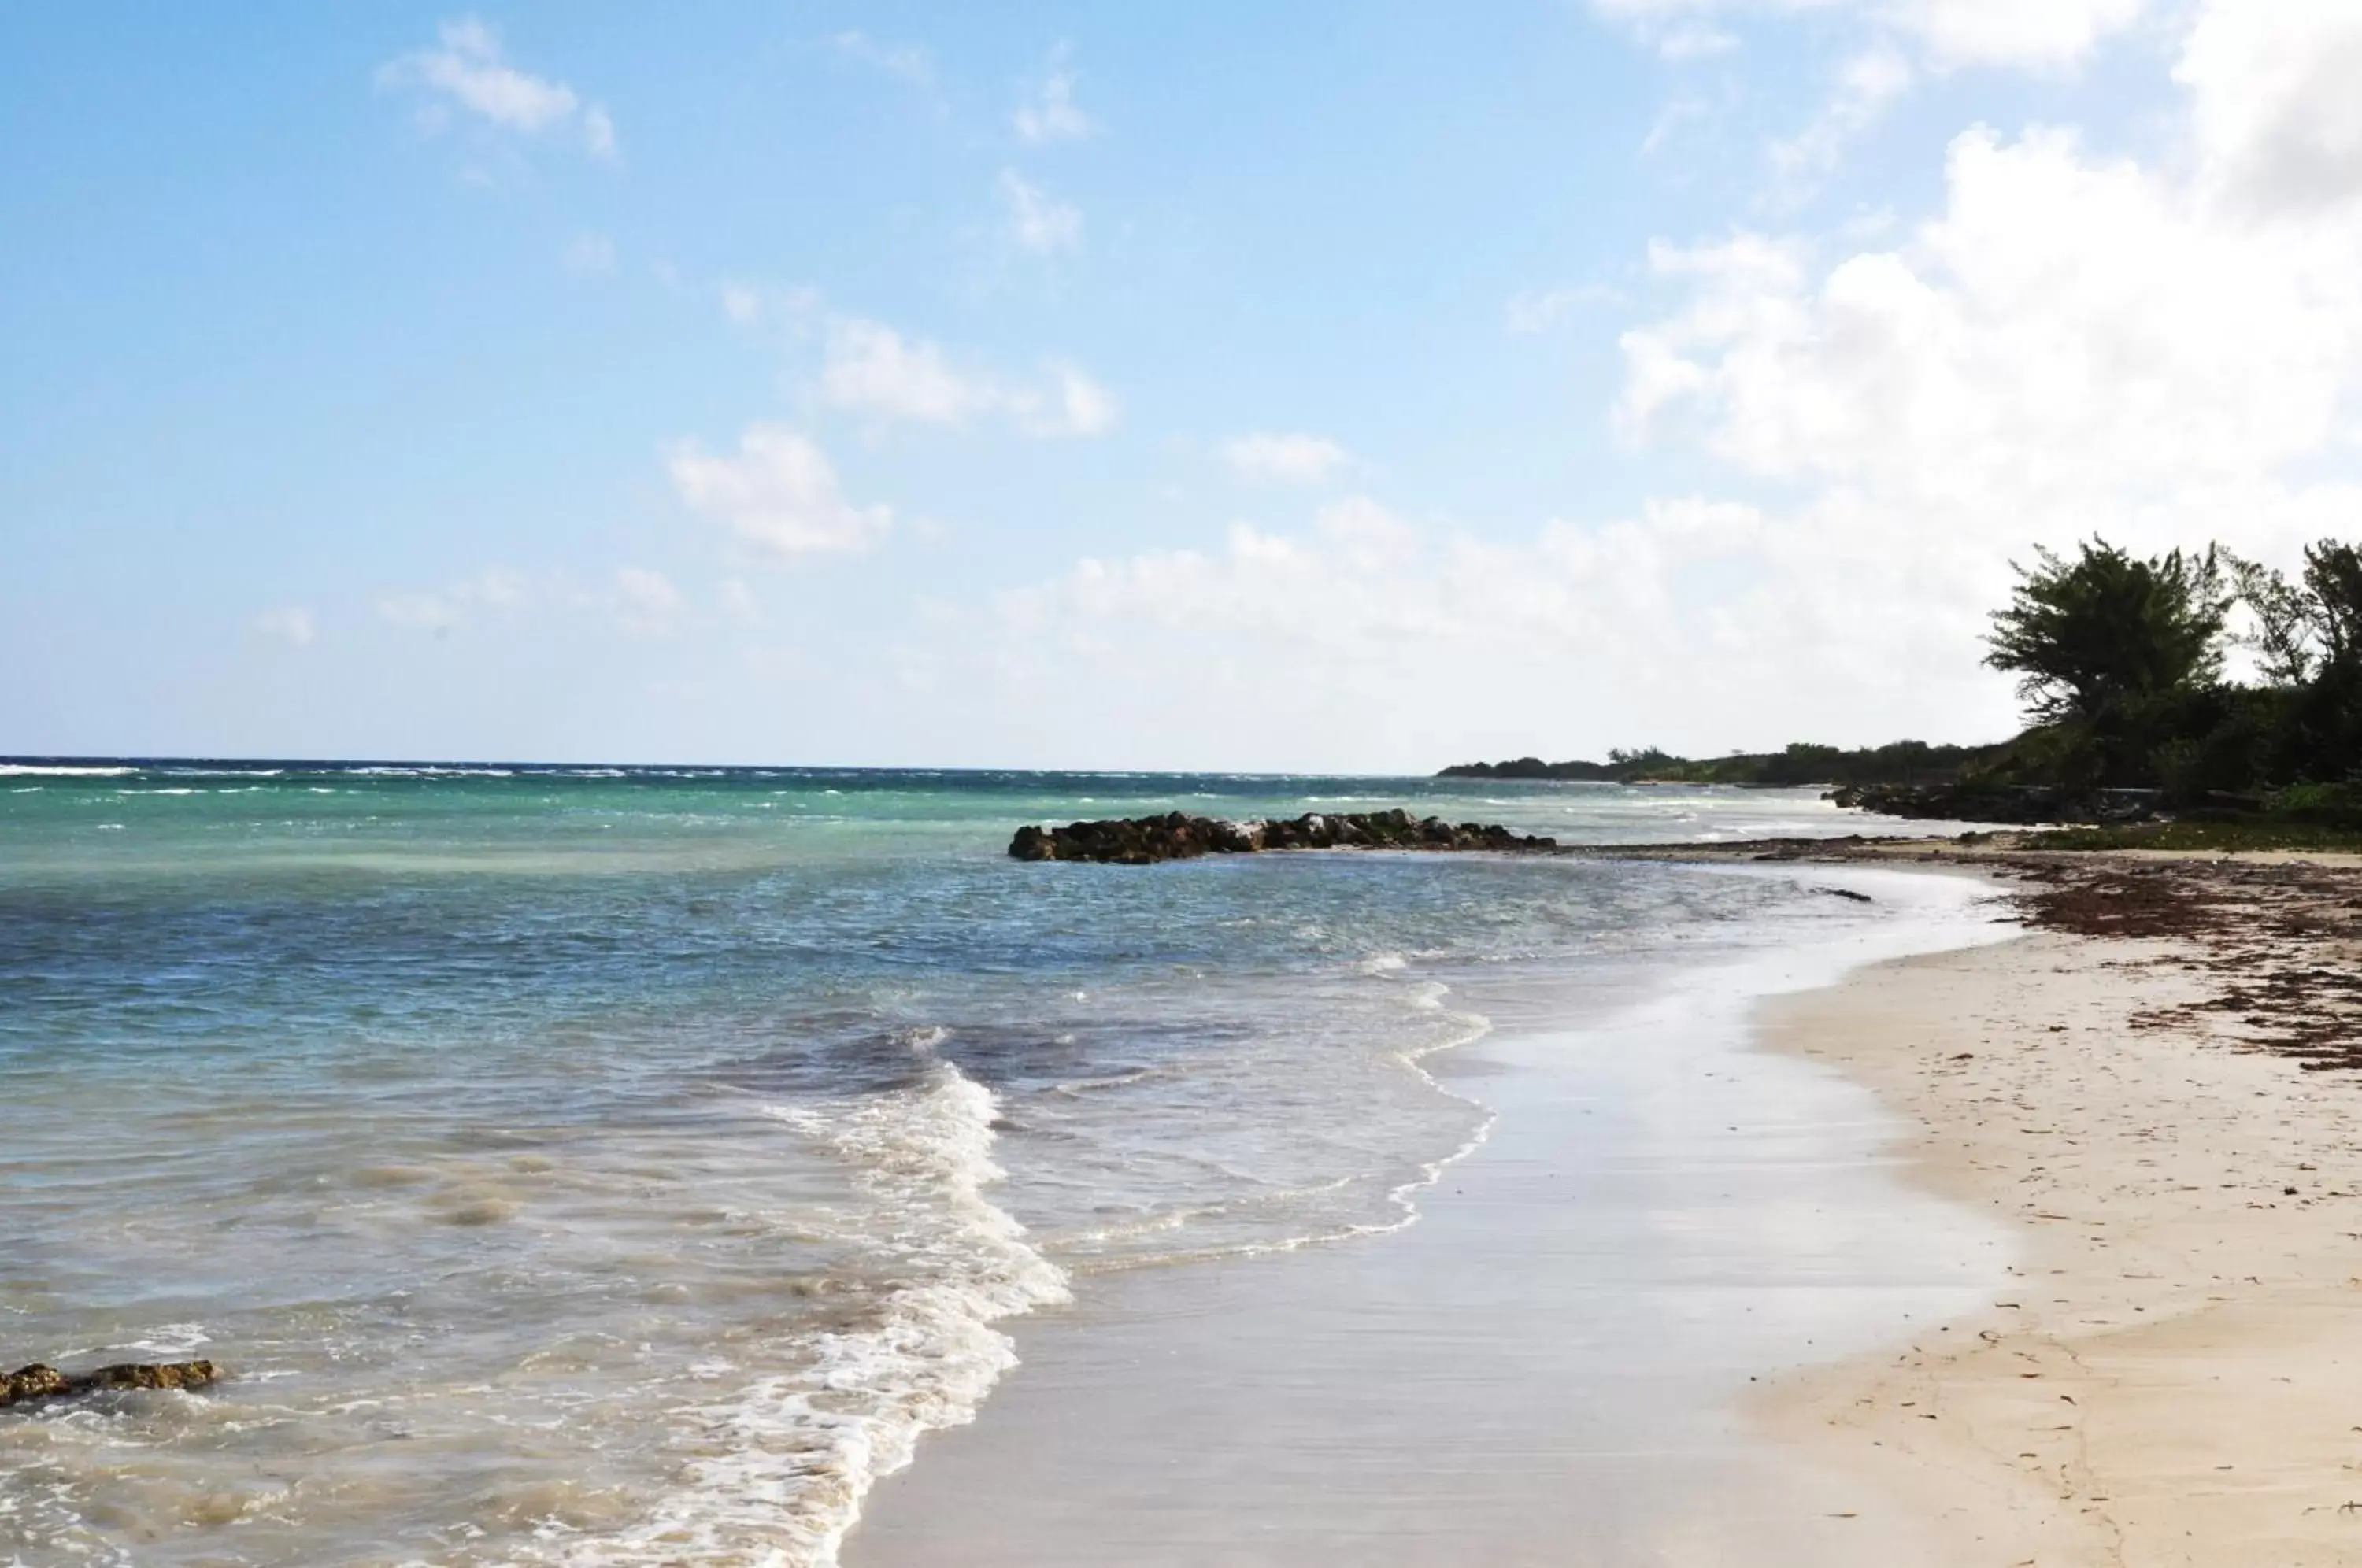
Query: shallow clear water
(627, 1167)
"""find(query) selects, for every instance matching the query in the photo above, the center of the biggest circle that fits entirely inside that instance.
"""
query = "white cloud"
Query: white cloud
(292, 626)
(2074, 342)
(1048, 111)
(466, 73)
(1694, 41)
(1534, 311)
(742, 303)
(2066, 322)
(649, 603)
(2038, 34)
(1867, 85)
(1289, 459)
(2033, 34)
(2071, 342)
(1039, 222)
(779, 494)
(737, 601)
(1076, 405)
(418, 612)
(492, 589)
(590, 255)
(906, 63)
(2277, 108)
(599, 131)
(1683, 110)
(795, 312)
(1689, 623)
(873, 370)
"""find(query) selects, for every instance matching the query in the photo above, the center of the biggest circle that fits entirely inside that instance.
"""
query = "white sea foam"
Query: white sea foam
(786, 1463)
(59, 770)
(427, 770)
(172, 1339)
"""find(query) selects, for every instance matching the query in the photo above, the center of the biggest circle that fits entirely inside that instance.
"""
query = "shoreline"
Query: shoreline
(2163, 1370)
(2171, 1374)
(1555, 1351)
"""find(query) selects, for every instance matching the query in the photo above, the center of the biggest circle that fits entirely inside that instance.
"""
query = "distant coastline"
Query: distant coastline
(1907, 763)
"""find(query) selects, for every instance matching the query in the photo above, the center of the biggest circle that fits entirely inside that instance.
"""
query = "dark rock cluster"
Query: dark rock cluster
(38, 1382)
(1144, 840)
(1977, 801)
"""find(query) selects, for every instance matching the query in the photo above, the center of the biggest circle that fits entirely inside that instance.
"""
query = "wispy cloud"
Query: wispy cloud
(442, 609)
(292, 626)
(1868, 85)
(1534, 311)
(1048, 112)
(468, 73)
(2030, 34)
(1038, 221)
(1694, 41)
(590, 255)
(648, 604)
(1683, 110)
(873, 370)
(1076, 405)
(907, 63)
(1287, 458)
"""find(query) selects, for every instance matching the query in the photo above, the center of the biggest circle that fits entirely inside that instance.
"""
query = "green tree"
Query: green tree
(2100, 637)
(2333, 588)
(2286, 618)
(2311, 627)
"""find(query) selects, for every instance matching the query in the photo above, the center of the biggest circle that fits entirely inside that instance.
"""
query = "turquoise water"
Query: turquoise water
(629, 1165)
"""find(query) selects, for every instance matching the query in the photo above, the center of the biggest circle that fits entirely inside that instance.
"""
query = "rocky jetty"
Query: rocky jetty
(1144, 840)
(38, 1382)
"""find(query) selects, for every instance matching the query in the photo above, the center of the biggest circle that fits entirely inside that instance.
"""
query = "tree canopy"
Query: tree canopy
(2105, 633)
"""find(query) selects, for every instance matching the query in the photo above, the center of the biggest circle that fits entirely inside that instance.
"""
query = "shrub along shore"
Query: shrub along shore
(2122, 664)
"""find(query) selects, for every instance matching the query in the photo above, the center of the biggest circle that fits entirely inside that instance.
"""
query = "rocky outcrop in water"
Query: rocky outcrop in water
(38, 1382)
(1144, 840)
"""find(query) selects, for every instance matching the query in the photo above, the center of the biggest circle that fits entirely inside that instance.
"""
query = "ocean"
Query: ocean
(631, 1165)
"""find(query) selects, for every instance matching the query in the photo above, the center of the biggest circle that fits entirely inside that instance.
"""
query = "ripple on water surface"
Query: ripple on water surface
(598, 1166)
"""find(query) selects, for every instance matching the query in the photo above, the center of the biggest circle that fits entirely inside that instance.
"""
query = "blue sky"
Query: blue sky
(1347, 386)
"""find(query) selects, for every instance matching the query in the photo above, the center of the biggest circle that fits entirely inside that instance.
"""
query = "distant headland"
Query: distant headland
(1907, 763)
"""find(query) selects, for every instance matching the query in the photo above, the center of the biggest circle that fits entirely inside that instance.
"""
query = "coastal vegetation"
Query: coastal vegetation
(2211, 833)
(2123, 663)
(1900, 762)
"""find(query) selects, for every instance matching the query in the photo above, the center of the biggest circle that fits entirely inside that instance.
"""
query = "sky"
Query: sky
(1351, 385)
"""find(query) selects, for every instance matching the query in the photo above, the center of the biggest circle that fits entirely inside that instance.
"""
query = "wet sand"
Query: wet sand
(2100, 1230)
(1551, 1367)
(2173, 1374)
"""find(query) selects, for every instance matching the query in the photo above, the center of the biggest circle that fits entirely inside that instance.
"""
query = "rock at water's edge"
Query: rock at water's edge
(1144, 840)
(38, 1382)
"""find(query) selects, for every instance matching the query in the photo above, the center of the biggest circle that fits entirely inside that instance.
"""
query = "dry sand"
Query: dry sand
(2174, 1375)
